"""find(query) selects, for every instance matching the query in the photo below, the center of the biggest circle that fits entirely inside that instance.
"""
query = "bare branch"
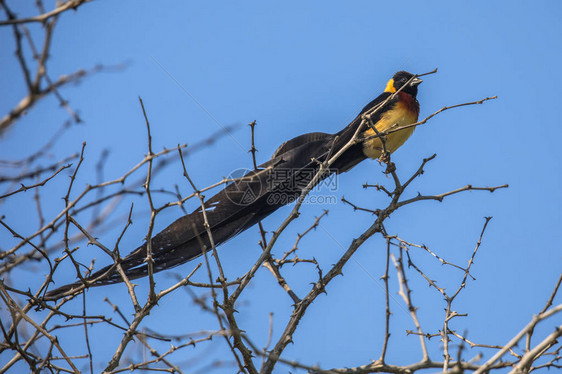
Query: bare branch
(61, 7)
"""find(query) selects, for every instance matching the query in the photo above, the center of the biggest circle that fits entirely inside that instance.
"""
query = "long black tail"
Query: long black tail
(236, 208)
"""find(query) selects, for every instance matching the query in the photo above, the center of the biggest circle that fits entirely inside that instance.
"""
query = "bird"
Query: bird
(260, 192)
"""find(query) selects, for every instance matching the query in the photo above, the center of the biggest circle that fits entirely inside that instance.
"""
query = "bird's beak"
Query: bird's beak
(415, 82)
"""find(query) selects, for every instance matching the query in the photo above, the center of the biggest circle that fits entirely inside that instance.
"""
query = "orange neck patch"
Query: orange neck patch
(390, 86)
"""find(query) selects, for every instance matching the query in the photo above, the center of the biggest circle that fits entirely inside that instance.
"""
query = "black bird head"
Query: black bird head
(400, 79)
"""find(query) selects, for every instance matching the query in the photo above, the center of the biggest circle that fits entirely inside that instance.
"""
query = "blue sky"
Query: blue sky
(311, 66)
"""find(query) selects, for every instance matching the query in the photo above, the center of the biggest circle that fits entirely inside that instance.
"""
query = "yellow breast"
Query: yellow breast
(400, 115)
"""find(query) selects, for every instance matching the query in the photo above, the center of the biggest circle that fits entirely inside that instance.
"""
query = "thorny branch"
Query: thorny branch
(62, 6)
(38, 82)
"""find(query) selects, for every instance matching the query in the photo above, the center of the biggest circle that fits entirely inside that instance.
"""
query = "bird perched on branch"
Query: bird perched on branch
(380, 129)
